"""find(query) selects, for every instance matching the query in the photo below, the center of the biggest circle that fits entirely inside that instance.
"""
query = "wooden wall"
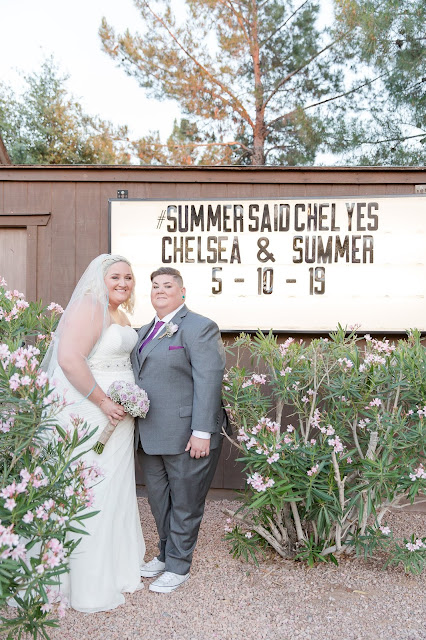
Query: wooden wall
(64, 212)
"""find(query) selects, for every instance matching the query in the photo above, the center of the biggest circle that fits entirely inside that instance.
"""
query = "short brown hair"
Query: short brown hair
(168, 271)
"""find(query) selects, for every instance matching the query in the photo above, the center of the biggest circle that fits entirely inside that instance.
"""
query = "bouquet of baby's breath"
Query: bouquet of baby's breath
(132, 398)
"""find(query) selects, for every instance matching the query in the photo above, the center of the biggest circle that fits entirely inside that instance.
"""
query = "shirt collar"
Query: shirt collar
(169, 316)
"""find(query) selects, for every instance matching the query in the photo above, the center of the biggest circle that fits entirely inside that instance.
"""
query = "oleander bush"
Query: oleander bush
(45, 491)
(332, 435)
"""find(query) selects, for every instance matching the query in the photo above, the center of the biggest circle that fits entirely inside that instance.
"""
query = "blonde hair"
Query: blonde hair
(129, 305)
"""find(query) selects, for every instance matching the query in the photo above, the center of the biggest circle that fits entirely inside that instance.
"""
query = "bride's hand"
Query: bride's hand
(114, 411)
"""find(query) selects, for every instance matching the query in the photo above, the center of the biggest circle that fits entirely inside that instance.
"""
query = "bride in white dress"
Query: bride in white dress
(91, 349)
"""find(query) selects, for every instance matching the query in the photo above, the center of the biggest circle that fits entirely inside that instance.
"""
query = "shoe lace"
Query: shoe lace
(167, 577)
(151, 563)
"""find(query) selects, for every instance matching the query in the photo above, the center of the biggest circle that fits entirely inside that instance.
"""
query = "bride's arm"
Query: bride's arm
(81, 331)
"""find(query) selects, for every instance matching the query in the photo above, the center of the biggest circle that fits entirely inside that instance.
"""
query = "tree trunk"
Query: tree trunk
(258, 157)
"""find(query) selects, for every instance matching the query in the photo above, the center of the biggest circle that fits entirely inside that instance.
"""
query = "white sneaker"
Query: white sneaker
(152, 568)
(168, 582)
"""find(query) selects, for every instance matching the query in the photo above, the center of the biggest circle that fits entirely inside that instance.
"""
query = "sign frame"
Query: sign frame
(274, 199)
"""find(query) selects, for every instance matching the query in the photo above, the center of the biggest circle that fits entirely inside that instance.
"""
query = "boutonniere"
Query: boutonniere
(170, 329)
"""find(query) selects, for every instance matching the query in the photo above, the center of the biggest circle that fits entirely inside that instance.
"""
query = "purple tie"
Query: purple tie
(156, 329)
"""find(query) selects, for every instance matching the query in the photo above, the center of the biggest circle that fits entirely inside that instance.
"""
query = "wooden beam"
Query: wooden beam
(117, 176)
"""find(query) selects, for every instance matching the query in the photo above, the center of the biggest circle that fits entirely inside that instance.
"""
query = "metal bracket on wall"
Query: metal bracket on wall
(123, 194)
(420, 188)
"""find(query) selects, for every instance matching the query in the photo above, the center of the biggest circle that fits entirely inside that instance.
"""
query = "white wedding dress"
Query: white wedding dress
(106, 562)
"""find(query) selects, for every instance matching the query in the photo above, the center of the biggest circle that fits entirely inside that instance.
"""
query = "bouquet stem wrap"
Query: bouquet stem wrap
(132, 398)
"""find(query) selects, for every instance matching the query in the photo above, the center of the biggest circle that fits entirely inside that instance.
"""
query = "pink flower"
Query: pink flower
(286, 370)
(14, 382)
(375, 403)
(4, 351)
(249, 535)
(56, 308)
(385, 530)
(259, 379)
(8, 491)
(53, 561)
(10, 504)
(21, 487)
(290, 428)
(420, 472)
(28, 517)
(41, 514)
(259, 483)
(348, 364)
(18, 552)
(285, 346)
(25, 475)
(336, 443)
(242, 436)
(316, 418)
(418, 544)
(313, 470)
(41, 379)
(273, 458)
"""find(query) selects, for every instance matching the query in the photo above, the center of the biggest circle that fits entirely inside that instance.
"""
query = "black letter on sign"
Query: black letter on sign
(298, 240)
(374, 225)
(171, 209)
(165, 240)
(235, 251)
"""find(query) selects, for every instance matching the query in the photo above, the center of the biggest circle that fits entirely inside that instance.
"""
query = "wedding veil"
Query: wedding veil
(83, 322)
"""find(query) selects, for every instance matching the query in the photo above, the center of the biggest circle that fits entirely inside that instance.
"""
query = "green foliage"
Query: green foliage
(45, 488)
(268, 83)
(351, 447)
(47, 126)
(244, 544)
(388, 37)
(311, 553)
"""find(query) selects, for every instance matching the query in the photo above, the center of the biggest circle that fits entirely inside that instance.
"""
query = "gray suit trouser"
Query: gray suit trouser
(177, 488)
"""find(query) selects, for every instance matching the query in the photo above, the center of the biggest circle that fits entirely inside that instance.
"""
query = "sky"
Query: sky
(32, 31)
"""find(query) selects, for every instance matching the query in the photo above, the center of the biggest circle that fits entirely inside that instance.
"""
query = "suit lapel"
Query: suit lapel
(177, 319)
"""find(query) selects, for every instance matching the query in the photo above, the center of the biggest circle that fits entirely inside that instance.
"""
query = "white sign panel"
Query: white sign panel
(290, 264)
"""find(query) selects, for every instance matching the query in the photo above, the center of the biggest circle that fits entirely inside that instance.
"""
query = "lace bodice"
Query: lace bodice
(113, 351)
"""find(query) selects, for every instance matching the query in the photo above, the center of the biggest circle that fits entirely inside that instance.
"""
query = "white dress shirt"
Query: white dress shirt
(198, 434)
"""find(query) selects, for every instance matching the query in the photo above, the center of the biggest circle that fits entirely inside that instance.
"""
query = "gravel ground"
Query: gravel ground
(226, 599)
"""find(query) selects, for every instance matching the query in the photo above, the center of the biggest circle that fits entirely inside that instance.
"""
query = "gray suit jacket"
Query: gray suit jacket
(182, 376)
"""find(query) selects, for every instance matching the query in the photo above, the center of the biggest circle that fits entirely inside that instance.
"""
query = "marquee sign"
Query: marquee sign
(290, 264)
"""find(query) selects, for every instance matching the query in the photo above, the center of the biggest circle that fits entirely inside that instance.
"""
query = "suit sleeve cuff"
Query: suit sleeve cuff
(202, 434)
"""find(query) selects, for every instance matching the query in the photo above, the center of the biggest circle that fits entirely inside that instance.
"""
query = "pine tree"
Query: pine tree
(47, 126)
(261, 82)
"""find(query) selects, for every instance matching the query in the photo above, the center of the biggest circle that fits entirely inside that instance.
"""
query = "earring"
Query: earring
(183, 297)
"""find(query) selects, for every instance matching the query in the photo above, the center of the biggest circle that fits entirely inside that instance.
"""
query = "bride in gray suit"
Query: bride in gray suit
(179, 360)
